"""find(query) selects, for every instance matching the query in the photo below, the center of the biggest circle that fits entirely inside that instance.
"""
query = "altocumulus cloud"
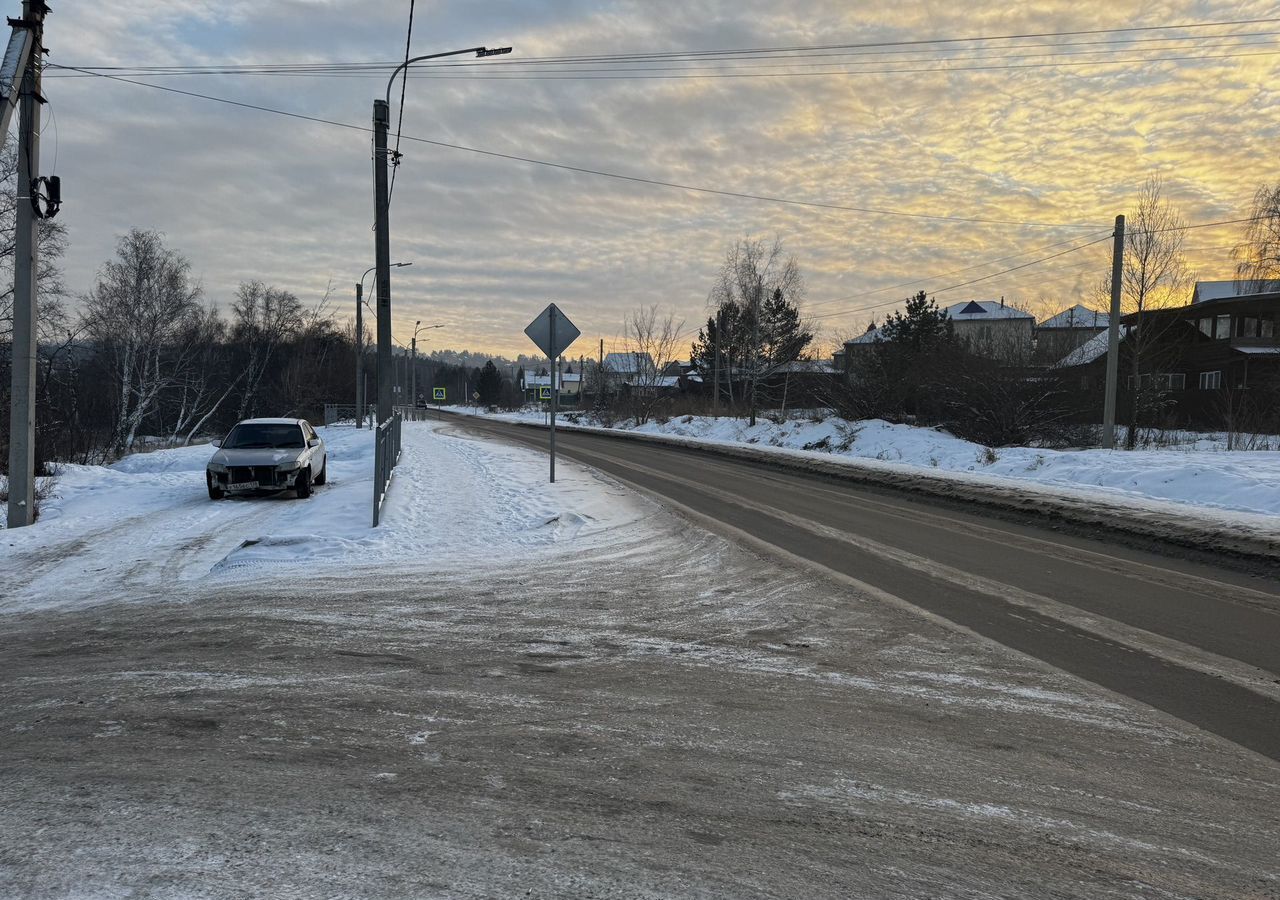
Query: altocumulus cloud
(248, 195)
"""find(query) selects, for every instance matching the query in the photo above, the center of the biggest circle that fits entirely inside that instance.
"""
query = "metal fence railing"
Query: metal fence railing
(335, 413)
(412, 413)
(386, 453)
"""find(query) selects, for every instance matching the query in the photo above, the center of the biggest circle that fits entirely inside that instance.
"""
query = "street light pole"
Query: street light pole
(361, 400)
(413, 350)
(413, 365)
(382, 225)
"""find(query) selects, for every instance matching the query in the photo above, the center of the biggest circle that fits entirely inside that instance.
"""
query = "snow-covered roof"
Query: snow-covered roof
(545, 380)
(807, 367)
(1258, 351)
(1094, 348)
(1220, 290)
(628, 362)
(268, 421)
(1078, 316)
(875, 334)
(973, 310)
(654, 381)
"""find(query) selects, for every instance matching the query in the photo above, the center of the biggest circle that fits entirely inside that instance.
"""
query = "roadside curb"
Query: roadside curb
(1199, 533)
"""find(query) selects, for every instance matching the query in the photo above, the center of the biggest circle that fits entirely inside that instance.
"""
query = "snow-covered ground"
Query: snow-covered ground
(147, 523)
(1196, 474)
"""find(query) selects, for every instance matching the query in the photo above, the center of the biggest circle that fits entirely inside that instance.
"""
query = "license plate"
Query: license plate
(243, 486)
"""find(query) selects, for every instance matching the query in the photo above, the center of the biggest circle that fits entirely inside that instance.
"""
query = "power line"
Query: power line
(373, 69)
(628, 76)
(939, 45)
(1034, 262)
(450, 72)
(404, 83)
(999, 259)
(764, 198)
(869, 307)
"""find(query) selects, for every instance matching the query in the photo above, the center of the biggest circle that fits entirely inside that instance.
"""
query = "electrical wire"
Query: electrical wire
(462, 71)
(999, 259)
(372, 70)
(404, 83)
(756, 52)
(764, 198)
(627, 76)
(1034, 262)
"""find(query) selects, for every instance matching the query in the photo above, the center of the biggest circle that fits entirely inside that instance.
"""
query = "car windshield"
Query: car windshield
(261, 436)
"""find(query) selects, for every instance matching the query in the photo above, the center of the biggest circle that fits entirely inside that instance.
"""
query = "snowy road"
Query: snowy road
(564, 692)
(1196, 640)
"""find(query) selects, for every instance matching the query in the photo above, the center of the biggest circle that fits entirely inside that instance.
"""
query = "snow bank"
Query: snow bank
(1194, 474)
(146, 526)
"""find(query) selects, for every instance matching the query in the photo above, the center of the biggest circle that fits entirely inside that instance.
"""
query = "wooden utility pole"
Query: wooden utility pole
(26, 265)
(1113, 339)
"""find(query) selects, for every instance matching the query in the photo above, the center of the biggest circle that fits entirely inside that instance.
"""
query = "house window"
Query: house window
(1162, 381)
(1249, 327)
(1267, 328)
(1223, 328)
(1210, 381)
(1206, 327)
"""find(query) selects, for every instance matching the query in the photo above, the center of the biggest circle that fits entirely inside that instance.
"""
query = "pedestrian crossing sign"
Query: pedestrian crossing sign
(437, 393)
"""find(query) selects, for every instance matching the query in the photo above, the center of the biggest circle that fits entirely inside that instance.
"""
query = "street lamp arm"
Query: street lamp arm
(400, 265)
(478, 51)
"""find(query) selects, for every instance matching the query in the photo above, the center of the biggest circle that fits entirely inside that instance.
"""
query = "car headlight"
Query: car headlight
(288, 466)
(217, 467)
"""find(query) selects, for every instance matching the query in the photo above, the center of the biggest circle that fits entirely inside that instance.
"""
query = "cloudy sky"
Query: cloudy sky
(1054, 133)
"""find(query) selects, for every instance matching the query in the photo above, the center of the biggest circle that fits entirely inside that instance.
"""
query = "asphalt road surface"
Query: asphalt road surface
(1199, 642)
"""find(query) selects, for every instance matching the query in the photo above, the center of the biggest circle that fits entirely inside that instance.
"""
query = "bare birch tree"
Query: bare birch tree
(1154, 276)
(652, 337)
(265, 318)
(1258, 255)
(136, 312)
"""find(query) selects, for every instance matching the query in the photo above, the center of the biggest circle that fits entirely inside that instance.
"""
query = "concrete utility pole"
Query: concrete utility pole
(1113, 339)
(413, 371)
(382, 225)
(382, 255)
(26, 265)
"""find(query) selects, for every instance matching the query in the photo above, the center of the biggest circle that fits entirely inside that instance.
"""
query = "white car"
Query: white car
(264, 456)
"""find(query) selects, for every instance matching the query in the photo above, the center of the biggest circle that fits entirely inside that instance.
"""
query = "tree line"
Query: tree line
(149, 359)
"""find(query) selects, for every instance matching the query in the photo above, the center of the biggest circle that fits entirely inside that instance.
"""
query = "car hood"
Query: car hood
(262, 457)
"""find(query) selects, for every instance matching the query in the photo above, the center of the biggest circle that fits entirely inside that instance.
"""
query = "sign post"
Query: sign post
(553, 333)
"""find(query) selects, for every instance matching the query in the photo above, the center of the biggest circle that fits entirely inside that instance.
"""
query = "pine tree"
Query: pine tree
(489, 385)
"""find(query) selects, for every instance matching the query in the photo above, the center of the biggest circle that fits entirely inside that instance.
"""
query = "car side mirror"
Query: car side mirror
(314, 442)
(217, 442)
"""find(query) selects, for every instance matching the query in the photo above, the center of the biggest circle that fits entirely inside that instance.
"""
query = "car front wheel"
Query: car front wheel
(303, 484)
(324, 474)
(215, 492)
